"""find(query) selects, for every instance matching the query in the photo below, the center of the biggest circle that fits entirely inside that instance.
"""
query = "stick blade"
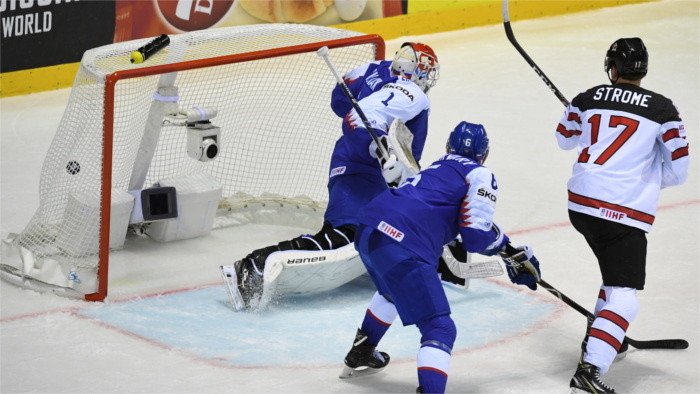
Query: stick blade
(351, 373)
(674, 344)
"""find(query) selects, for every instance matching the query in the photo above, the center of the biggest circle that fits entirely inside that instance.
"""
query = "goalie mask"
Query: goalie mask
(630, 58)
(417, 62)
(469, 140)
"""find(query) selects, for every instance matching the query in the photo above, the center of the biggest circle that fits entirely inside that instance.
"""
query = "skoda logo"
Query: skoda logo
(190, 15)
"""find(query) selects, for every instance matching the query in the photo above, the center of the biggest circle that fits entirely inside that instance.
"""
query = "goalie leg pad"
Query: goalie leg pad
(246, 280)
(306, 271)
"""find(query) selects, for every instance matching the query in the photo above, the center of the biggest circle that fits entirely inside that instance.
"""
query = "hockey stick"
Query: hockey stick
(323, 52)
(650, 344)
(511, 38)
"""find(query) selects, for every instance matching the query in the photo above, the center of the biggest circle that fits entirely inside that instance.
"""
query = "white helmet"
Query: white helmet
(417, 62)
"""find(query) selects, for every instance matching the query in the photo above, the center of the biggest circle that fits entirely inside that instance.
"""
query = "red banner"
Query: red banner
(149, 18)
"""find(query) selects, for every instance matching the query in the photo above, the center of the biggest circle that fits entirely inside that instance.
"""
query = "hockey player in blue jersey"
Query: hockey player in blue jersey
(400, 238)
(385, 91)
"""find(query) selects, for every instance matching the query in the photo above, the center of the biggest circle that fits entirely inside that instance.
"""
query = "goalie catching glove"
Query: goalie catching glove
(393, 170)
(522, 266)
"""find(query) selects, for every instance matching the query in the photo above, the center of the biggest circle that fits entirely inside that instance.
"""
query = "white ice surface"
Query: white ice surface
(48, 345)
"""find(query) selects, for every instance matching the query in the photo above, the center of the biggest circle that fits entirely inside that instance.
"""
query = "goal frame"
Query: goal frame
(108, 124)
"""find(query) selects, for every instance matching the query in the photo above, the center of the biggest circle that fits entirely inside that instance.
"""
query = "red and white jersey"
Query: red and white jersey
(631, 144)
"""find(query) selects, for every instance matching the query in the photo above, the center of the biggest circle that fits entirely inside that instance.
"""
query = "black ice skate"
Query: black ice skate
(363, 359)
(587, 380)
(244, 281)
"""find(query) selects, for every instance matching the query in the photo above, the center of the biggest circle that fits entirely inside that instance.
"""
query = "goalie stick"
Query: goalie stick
(650, 344)
(323, 52)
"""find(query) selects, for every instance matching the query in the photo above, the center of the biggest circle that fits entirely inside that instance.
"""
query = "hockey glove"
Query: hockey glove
(392, 168)
(522, 266)
(375, 151)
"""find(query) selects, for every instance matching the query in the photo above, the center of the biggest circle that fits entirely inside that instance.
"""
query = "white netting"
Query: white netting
(277, 130)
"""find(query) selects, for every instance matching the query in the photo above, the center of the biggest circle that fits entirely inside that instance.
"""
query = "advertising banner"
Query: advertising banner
(39, 33)
(149, 18)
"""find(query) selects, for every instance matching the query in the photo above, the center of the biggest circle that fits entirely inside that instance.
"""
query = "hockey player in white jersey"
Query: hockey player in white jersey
(385, 91)
(400, 238)
(631, 144)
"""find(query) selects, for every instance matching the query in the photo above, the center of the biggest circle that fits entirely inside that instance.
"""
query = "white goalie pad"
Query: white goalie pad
(401, 140)
(299, 272)
(311, 271)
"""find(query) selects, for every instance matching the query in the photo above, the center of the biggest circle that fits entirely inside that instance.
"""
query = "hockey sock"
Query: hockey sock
(433, 367)
(600, 302)
(433, 362)
(379, 316)
(608, 330)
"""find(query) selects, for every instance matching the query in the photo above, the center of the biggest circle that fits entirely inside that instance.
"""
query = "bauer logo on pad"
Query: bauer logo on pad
(390, 231)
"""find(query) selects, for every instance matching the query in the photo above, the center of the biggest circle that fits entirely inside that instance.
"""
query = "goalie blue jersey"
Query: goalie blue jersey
(383, 97)
(454, 196)
(355, 176)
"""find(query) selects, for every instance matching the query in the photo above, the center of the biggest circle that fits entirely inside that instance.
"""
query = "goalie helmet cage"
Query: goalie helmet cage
(271, 92)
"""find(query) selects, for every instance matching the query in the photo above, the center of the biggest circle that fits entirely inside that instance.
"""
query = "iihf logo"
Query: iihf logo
(390, 230)
(612, 215)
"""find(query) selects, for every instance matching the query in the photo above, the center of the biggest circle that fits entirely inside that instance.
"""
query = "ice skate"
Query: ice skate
(244, 283)
(587, 380)
(363, 359)
(228, 274)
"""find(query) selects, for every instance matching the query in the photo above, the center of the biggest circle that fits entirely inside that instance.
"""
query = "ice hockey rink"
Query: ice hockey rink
(166, 326)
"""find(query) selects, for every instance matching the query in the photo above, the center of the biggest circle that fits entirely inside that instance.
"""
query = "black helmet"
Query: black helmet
(629, 56)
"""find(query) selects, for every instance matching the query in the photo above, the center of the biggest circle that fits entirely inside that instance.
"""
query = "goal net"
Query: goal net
(212, 130)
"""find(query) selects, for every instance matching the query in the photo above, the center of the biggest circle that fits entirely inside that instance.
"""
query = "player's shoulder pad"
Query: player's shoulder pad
(482, 175)
(361, 70)
(584, 98)
(461, 161)
(666, 109)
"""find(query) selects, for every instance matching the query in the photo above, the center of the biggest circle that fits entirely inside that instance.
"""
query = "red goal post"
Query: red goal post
(270, 92)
